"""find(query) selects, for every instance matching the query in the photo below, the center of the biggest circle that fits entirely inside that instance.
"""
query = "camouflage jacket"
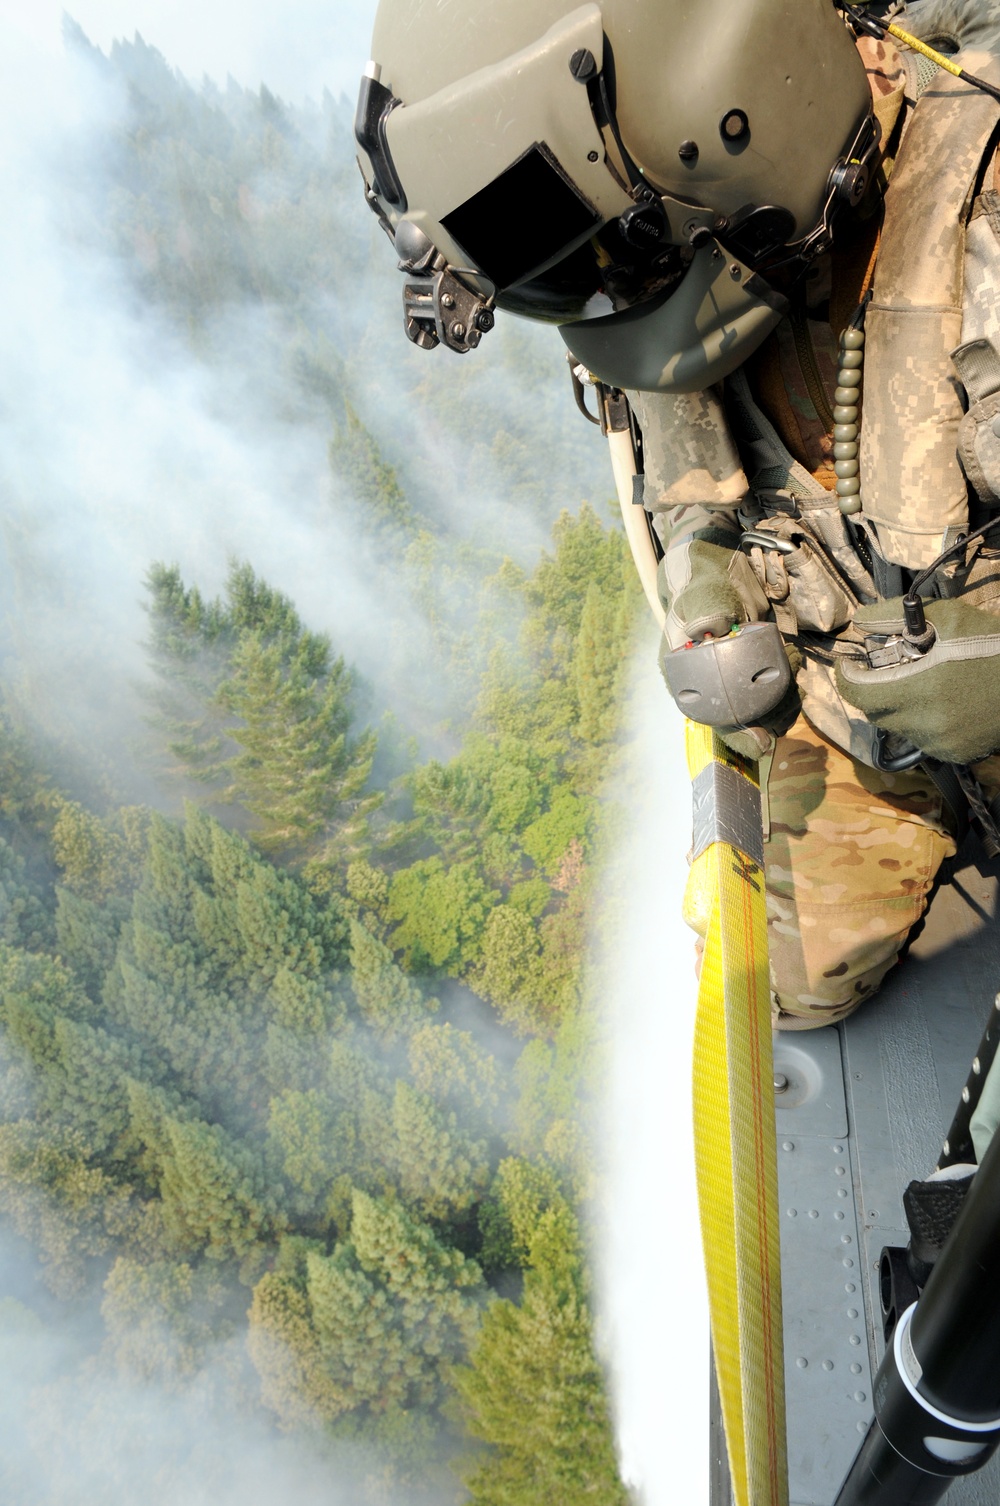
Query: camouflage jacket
(757, 453)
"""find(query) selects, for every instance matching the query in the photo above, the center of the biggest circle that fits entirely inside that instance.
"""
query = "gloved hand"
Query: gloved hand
(707, 587)
(948, 701)
(739, 678)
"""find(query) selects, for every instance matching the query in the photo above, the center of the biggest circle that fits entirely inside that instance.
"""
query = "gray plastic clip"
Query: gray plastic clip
(733, 681)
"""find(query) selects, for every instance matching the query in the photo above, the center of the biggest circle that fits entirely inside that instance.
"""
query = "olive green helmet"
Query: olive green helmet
(628, 170)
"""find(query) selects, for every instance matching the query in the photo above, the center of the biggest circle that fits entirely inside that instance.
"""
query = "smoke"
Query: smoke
(120, 444)
(128, 437)
(75, 1430)
(123, 441)
(118, 447)
(654, 1306)
(296, 50)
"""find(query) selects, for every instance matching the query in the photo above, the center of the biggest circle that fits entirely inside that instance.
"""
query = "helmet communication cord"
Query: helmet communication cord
(872, 27)
(917, 631)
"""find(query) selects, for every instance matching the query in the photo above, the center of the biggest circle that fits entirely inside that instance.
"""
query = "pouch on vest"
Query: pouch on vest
(977, 359)
(912, 485)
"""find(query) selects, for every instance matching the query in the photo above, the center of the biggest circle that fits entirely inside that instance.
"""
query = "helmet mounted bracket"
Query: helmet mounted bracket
(375, 104)
(438, 309)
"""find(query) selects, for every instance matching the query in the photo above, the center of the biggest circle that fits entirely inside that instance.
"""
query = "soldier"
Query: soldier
(770, 233)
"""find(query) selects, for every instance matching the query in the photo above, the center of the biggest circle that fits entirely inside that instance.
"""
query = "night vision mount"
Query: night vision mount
(438, 308)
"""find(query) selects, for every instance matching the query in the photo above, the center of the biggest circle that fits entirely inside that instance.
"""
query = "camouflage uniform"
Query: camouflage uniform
(852, 853)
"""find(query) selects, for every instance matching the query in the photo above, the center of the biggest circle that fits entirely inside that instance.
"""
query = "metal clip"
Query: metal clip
(777, 499)
(889, 762)
(581, 378)
(753, 540)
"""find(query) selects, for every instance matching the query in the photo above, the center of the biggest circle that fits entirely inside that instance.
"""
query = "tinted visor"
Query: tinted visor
(604, 276)
(522, 219)
(529, 214)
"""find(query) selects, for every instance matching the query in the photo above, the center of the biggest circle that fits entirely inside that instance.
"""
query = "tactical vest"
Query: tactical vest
(933, 337)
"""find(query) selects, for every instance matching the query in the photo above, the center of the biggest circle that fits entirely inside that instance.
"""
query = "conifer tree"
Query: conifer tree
(68, 1209)
(87, 936)
(510, 969)
(442, 1169)
(213, 1189)
(296, 767)
(23, 917)
(598, 657)
(534, 1389)
(387, 999)
(188, 647)
(448, 1064)
(372, 485)
(162, 1317)
(300, 1134)
(371, 1327)
(254, 706)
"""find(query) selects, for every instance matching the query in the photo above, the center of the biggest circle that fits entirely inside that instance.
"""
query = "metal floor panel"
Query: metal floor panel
(904, 1058)
(827, 1368)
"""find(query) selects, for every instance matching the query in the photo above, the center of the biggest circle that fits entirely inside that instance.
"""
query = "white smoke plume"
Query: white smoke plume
(76, 1433)
(654, 1305)
(122, 442)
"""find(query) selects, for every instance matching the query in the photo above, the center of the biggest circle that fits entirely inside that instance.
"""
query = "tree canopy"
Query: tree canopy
(293, 1053)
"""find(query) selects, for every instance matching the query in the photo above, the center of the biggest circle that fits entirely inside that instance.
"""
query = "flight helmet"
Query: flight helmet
(631, 170)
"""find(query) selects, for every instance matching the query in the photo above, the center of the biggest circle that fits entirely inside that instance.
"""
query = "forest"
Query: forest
(300, 1030)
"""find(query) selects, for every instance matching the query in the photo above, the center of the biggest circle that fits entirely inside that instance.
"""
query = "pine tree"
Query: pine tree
(448, 1064)
(213, 1188)
(442, 1169)
(534, 1389)
(24, 920)
(599, 655)
(98, 861)
(162, 1318)
(68, 1209)
(373, 1327)
(188, 647)
(372, 485)
(300, 1134)
(387, 999)
(510, 969)
(296, 768)
(521, 1192)
(87, 935)
(254, 707)
(283, 1344)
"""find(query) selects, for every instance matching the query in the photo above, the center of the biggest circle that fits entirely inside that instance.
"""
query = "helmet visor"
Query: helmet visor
(526, 218)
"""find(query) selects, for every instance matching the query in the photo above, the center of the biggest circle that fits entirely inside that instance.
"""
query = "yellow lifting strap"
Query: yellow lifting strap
(735, 1149)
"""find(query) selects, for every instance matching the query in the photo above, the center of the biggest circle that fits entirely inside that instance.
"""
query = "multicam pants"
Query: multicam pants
(850, 862)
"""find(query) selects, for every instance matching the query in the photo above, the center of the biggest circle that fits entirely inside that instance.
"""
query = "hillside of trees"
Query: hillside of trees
(297, 1052)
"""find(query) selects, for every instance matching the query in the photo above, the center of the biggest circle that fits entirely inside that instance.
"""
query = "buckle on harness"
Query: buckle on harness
(778, 500)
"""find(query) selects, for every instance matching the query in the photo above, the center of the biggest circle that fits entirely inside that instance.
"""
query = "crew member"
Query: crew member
(773, 229)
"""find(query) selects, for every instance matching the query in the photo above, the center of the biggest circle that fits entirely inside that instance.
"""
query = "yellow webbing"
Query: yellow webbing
(735, 1148)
